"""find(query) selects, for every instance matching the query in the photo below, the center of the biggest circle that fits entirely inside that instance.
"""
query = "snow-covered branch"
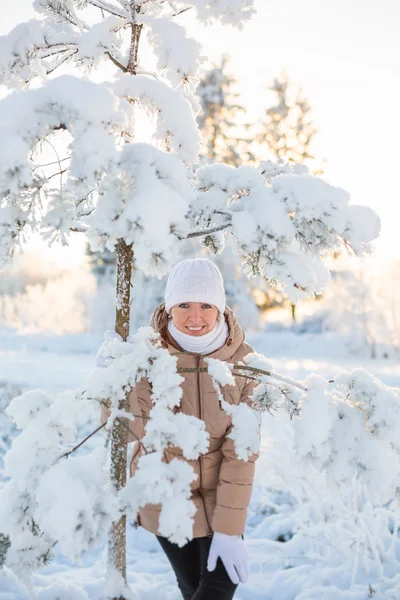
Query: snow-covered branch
(284, 224)
(175, 119)
(109, 8)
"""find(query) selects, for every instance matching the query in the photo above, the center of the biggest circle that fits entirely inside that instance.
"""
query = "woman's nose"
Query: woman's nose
(194, 315)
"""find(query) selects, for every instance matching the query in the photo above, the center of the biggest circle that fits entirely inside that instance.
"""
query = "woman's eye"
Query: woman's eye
(183, 306)
(206, 306)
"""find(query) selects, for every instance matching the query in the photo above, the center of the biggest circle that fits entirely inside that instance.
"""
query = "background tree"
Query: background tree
(224, 137)
(287, 128)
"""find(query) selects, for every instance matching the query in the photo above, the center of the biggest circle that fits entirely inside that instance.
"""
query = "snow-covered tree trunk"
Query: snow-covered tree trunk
(119, 433)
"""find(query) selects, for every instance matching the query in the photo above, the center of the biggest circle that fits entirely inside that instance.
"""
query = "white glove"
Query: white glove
(102, 359)
(232, 550)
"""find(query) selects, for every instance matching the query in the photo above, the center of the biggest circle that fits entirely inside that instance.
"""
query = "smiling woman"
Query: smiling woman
(194, 325)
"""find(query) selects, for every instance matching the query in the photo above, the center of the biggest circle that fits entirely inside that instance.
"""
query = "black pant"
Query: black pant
(190, 566)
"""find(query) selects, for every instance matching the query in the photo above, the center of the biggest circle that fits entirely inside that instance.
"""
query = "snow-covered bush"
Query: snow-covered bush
(331, 489)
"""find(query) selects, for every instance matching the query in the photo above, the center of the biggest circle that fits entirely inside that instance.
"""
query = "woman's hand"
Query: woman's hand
(102, 359)
(232, 550)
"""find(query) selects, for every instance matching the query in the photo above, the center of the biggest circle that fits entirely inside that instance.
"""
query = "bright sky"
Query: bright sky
(346, 56)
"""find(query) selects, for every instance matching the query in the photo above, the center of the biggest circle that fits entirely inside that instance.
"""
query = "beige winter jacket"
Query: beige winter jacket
(222, 490)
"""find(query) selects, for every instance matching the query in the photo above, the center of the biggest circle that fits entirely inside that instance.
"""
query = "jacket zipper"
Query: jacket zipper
(209, 534)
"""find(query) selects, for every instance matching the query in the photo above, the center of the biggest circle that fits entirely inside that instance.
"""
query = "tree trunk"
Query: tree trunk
(293, 312)
(119, 434)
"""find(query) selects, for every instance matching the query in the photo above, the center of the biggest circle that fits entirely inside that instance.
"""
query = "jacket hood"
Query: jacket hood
(159, 322)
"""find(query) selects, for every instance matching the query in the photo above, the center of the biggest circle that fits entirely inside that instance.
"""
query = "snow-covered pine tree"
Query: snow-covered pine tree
(287, 128)
(225, 139)
(139, 198)
(103, 183)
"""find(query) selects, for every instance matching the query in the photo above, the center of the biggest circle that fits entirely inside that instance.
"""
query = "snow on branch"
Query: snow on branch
(284, 224)
(352, 431)
(38, 48)
(27, 514)
(92, 115)
(347, 428)
(120, 191)
(26, 51)
(175, 123)
(228, 12)
(100, 42)
(143, 201)
(64, 11)
(156, 482)
(110, 8)
(177, 55)
(245, 431)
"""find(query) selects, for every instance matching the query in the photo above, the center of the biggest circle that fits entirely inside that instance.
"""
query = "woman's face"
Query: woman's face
(194, 318)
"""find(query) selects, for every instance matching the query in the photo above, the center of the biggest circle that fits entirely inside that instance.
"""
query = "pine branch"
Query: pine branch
(130, 430)
(48, 177)
(48, 52)
(281, 378)
(58, 158)
(78, 229)
(181, 11)
(202, 232)
(82, 442)
(66, 15)
(124, 4)
(116, 62)
(56, 162)
(67, 454)
(286, 380)
(61, 62)
(107, 7)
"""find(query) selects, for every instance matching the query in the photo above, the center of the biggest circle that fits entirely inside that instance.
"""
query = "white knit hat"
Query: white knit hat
(195, 280)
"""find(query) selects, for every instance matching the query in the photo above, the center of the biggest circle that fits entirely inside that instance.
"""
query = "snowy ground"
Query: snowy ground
(278, 570)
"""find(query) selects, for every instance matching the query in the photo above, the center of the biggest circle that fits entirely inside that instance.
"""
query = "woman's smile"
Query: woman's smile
(195, 328)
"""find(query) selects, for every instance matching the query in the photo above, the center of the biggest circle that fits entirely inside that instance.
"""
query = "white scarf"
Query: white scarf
(201, 344)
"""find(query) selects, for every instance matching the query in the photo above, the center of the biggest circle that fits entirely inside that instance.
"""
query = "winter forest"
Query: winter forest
(135, 134)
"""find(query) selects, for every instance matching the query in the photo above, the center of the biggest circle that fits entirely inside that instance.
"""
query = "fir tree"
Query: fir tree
(223, 135)
(287, 128)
